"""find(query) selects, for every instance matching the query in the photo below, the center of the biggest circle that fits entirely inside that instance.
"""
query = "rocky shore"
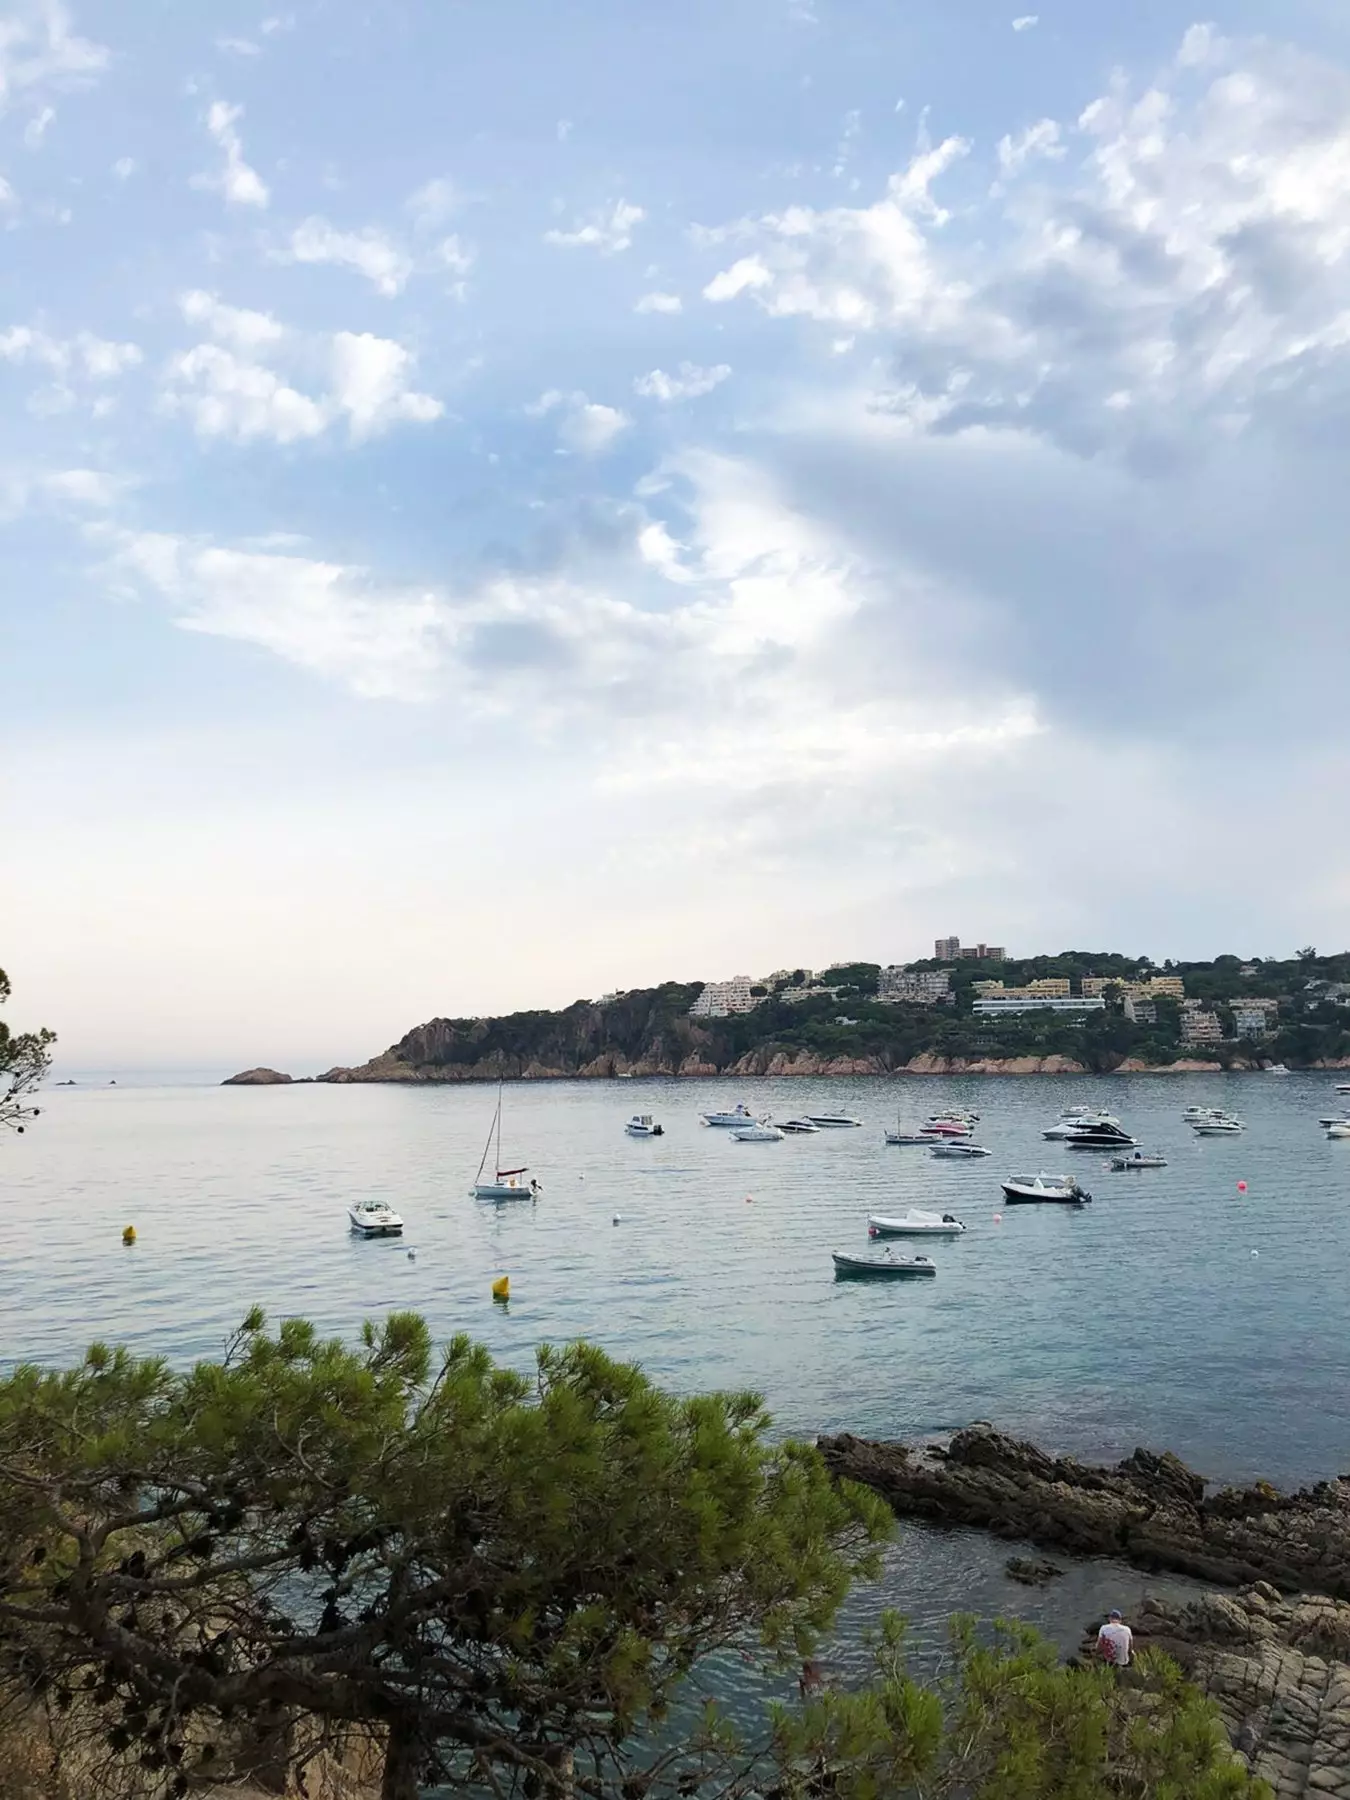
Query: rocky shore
(1149, 1510)
(1278, 1671)
(388, 1067)
(1272, 1650)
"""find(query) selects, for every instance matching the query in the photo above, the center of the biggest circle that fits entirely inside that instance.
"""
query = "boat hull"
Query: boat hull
(880, 1226)
(503, 1190)
(858, 1268)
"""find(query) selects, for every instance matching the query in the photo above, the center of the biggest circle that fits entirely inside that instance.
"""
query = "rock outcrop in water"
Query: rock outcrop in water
(258, 1078)
(1149, 1510)
(1278, 1672)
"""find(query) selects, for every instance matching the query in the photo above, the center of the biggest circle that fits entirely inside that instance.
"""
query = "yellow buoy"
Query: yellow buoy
(501, 1288)
(129, 1234)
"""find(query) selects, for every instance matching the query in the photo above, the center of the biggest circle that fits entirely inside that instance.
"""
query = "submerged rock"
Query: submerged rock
(1031, 1571)
(1149, 1510)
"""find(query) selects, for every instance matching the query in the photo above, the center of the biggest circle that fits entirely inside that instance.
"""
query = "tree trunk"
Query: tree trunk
(402, 1764)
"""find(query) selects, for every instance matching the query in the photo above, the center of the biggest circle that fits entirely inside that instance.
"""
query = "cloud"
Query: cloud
(432, 204)
(331, 619)
(237, 46)
(124, 168)
(368, 251)
(690, 383)
(585, 426)
(7, 195)
(743, 276)
(69, 361)
(659, 303)
(1189, 270)
(84, 490)
(236, 181)
(39, 50)
(370, 384)
(243, 385)
(608, 230)
(1041, 139)
(1027, 22)
(36, 128)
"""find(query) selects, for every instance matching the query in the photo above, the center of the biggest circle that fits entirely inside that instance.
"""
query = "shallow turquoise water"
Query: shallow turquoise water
(1143, 1318)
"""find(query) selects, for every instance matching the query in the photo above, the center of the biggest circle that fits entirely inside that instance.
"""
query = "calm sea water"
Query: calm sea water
(1174, 1311)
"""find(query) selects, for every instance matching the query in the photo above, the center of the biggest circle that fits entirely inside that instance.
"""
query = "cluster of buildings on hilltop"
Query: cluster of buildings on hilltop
(899, 985)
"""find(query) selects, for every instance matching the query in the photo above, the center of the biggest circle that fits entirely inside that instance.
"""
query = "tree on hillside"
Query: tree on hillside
(495, 1576)
(24, 1060)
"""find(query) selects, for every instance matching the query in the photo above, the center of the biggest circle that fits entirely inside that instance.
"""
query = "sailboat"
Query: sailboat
(510, 1184)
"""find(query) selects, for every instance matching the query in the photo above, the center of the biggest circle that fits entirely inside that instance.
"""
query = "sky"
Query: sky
(503, 500)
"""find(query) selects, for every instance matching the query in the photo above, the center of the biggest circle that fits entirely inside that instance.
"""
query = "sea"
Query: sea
(1179, 1310)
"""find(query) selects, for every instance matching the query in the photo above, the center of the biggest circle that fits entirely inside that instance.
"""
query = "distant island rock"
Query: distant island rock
(258, 1078)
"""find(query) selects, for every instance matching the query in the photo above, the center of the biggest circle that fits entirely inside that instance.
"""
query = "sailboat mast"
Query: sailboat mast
(500, 1089)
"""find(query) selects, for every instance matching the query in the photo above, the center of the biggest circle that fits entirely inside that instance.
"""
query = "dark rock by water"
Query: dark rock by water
(1149, 1510)
(258, 1078)
(1031, 1571)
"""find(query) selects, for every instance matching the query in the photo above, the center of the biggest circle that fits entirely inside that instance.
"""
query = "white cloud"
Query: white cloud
(124, 168)
(7, 195)
(237, 325)
(85, 490)
(36, 128)
(455, 256)
(609, 230)
(590, 428)
(368, 251)
(1041, 139)
(329, 618)
(240, 386)
(659, 303)
(232, 396)
(370, 384)
(742, 276)
(39, 50)
(689, 383)
(1027, 22)
(236, 181)
(432, 204)
(95, 358)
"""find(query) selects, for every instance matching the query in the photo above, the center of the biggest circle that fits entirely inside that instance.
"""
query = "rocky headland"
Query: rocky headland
(259, 1078)
(1149, 1510)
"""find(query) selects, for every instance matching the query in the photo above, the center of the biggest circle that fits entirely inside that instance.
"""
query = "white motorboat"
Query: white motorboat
(759, 1133)
(1277, 1069)
(881, 1268)
(1342, 1087)
(1079, 1119)
(945, 1128)
(833, 1121)
(914, 1223)
(1025, 1190)
(643, 1125)
(794, 1125)
(1138, 1159)
(374, 1218)
(1218, 1127)
(1201, 1115)
(953, 1149)
(740, 1114)
(1341, 1129)
(509, 1184)
(909, 1137)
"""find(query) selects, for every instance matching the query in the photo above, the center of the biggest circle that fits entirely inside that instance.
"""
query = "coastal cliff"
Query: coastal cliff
(847, 1021)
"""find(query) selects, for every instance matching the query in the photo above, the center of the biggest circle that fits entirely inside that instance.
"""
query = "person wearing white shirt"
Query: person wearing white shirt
(1115, 1641)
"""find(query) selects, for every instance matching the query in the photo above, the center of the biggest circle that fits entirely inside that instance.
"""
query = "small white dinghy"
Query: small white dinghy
(954, 1149)
(1028, 1190)
(1139, 1159)
(759, 1133)
(914, 1223)
(1218, 1127)
(374, 1218)
(643, 1125)
(1341, 1129)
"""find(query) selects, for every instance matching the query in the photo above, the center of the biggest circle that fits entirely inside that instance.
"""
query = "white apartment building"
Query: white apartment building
(897, 986)
(1020, 1000)
(1156, 987)
(720, 999)
(1049, 987)
(1141, 1012)
(1250, 1021)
